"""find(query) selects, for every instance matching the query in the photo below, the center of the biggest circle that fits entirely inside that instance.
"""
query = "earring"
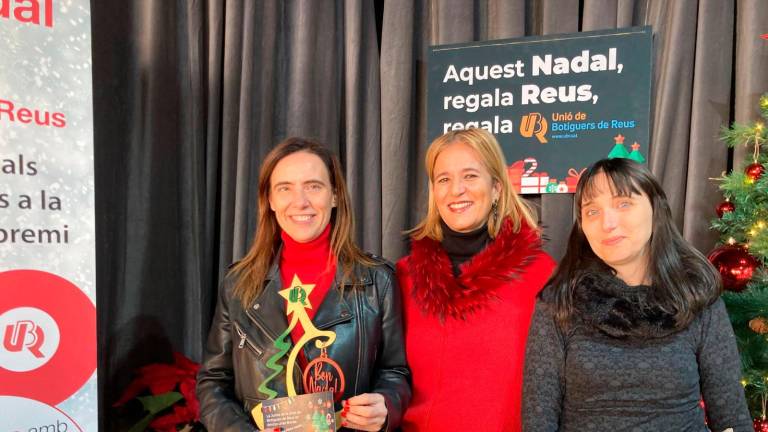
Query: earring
(495, 209)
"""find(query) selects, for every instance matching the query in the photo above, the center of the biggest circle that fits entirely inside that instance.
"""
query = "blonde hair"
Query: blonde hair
(509, 204)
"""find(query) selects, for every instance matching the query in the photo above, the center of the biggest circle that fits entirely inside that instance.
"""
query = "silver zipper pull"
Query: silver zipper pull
(242, 337)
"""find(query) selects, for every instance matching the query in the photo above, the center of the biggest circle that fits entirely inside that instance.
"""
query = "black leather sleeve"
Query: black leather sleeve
(392, 376)
(219, 409)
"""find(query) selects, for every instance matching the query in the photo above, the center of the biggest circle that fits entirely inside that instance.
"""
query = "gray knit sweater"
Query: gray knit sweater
(587, 381)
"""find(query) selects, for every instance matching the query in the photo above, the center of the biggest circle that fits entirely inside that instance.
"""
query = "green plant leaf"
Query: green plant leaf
(155, 404)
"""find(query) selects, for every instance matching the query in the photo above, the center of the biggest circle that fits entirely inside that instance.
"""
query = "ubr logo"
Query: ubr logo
(14, 337)
(30, 339)
(44, 314)
(534, 124)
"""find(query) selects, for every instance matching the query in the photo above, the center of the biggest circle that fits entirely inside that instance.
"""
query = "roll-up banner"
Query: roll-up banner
(555, 103)
(47, 263)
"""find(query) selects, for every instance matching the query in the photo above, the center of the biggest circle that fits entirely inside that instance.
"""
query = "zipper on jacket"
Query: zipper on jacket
(261, 327)
(244, 340)
(297, 375)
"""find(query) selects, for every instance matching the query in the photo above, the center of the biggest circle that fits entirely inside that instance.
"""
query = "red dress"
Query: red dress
(465, 336)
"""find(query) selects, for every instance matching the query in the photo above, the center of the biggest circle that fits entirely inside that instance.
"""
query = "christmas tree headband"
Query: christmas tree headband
(619, 151)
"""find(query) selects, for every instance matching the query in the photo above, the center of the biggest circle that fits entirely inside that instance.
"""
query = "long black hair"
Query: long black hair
(682, 281)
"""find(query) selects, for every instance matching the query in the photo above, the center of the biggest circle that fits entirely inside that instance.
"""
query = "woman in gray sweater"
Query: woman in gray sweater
(630, 333)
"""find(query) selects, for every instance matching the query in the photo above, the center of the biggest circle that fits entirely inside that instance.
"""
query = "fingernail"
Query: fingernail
(346, 402)
(343, 424)
(343, 413)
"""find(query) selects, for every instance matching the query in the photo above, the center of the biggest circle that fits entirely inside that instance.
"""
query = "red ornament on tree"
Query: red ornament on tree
(724, 207)
(760, 425)
(754, 171)
(735, 265)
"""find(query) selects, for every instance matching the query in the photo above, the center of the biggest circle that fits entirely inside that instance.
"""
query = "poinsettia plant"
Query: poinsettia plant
(171, 404)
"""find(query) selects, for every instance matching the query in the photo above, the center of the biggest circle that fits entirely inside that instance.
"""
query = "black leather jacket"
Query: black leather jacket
(369, 346)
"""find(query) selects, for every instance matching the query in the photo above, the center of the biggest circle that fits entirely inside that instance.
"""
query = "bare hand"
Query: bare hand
(366, 412)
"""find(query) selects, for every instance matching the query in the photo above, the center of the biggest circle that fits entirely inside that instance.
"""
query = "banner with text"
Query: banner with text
(555, 103)
(47, 260)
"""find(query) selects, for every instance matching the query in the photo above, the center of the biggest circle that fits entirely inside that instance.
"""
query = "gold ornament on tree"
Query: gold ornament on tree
(759, 325)
(755, 170)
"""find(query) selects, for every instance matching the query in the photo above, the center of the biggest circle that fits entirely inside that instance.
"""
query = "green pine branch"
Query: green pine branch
(748, 225)
(744, 134)
(748, 304)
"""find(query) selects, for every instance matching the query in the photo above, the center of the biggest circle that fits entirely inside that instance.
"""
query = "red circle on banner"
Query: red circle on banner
(74, 361)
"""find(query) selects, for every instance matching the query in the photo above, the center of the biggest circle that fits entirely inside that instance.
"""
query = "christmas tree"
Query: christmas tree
(742, 254)
(618, 151)
(636, 155)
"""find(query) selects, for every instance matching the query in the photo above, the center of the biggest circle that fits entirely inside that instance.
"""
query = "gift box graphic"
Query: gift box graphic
(515, 173)
(535, 183)
(573, 179)
(525, 180)
(532, 182)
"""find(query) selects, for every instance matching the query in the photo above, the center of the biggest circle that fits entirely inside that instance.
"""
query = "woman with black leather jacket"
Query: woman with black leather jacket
(303, 239)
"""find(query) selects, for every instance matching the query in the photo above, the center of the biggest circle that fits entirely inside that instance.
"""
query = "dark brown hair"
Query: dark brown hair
(252, 269)
(683, 281)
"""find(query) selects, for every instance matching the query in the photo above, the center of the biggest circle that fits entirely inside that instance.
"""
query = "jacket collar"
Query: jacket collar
(268, 310)
(438, 292)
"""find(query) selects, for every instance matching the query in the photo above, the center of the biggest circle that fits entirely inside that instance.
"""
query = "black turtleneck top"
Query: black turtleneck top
(460, 247)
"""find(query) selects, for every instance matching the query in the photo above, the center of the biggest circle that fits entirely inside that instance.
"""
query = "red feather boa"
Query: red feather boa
(438, 292)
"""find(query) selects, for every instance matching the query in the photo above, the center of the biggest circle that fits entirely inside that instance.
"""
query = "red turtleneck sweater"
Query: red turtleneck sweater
(310, 262)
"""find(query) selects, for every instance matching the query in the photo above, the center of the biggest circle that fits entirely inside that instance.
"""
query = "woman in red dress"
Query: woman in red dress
(469, 287)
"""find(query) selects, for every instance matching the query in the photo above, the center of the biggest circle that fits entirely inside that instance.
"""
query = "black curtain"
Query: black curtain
(190, 95)
(157, 159)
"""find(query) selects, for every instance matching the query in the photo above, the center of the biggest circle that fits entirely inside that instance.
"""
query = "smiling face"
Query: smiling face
(618, 228)
(462, 188)
(301, 196)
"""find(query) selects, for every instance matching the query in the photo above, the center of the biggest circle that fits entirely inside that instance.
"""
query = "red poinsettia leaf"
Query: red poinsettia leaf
(185, 413)
(164, 385)
(161, 378)
(134, 388)
(185, 364)
(187, 388)
(158, 369)
(765, 36)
